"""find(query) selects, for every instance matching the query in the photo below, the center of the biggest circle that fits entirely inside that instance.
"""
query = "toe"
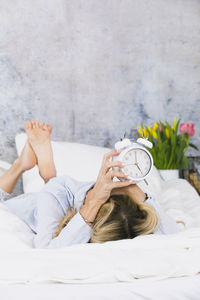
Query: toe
(33, 124)
(37, 124)
(42, 127)
(28, 125)
(49, 128)
(40, 124)
(45, 127)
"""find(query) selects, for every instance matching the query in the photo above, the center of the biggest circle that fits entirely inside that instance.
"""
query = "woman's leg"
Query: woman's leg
(37, 150)
(27, 160)
(24, 206)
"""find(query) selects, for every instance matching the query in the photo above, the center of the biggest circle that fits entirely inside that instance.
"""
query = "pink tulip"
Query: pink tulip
(187, 128)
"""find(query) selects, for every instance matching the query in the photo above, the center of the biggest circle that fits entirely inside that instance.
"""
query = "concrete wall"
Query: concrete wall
(94, 69)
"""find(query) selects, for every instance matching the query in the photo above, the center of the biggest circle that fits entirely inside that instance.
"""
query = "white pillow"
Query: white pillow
(4, 166)
(11, 225)
(14, 233)
(81, 162)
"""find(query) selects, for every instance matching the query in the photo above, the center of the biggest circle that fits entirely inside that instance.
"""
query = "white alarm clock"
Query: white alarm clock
(136, 158)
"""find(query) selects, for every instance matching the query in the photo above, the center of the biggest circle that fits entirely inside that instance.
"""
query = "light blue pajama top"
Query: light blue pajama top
(42, 212)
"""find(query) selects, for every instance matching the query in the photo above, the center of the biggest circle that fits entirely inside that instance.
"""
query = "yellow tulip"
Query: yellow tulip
(140, 130)
(145, 133)
(150, 130)
(175, 122)
(154, 133)
(167, 132)
(155, 126)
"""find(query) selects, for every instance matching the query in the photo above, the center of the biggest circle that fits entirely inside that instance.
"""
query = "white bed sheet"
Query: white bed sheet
(184, 288)
(172, 288)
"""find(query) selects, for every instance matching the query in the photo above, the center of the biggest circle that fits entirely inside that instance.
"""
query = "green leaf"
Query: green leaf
(173, 144)
(177, 126)
(193, 146)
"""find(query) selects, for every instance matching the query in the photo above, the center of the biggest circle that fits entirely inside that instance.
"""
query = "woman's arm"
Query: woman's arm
(49, 214)
(52, 204)
(103, 187)
(89, 210)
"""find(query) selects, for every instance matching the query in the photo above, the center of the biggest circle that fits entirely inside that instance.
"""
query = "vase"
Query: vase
(169, 174)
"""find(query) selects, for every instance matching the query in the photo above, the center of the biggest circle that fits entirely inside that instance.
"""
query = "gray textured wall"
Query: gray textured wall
(94, 69)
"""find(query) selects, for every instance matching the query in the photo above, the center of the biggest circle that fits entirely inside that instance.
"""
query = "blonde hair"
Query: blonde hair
(120, 217)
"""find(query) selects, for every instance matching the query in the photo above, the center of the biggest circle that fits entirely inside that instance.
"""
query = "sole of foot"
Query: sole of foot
(27, 159)
(39, 138)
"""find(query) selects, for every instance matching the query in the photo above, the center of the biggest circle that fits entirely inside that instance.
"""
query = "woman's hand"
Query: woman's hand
(101, 191)
(104, 184)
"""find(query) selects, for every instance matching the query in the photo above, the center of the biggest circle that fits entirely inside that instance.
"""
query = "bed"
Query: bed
(148, 267)
(186, 288)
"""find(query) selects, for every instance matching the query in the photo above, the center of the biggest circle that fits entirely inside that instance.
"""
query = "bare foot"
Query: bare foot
(39, 138)
(27, 159)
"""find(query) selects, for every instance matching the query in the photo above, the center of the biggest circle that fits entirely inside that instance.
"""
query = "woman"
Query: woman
(67, 211)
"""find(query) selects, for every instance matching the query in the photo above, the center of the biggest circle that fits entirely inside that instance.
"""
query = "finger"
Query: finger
(112, 174)
(106, 158)
(120, 184)
(112, 164)
(108, 155)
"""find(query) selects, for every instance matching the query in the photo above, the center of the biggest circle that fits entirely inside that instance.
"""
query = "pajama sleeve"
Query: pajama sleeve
(50, 211)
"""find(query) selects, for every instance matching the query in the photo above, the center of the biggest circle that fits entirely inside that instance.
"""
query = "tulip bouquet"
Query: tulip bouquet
(170, 143)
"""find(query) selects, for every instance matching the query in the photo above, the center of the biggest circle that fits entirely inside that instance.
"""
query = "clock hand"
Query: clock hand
(138, 167)
(142, 174)
(136, 164)
(135, 157)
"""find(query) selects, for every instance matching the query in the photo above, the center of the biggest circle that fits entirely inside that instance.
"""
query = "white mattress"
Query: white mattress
(184, 288)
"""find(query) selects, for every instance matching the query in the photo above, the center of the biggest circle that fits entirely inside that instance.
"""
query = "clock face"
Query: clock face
(137, 163)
